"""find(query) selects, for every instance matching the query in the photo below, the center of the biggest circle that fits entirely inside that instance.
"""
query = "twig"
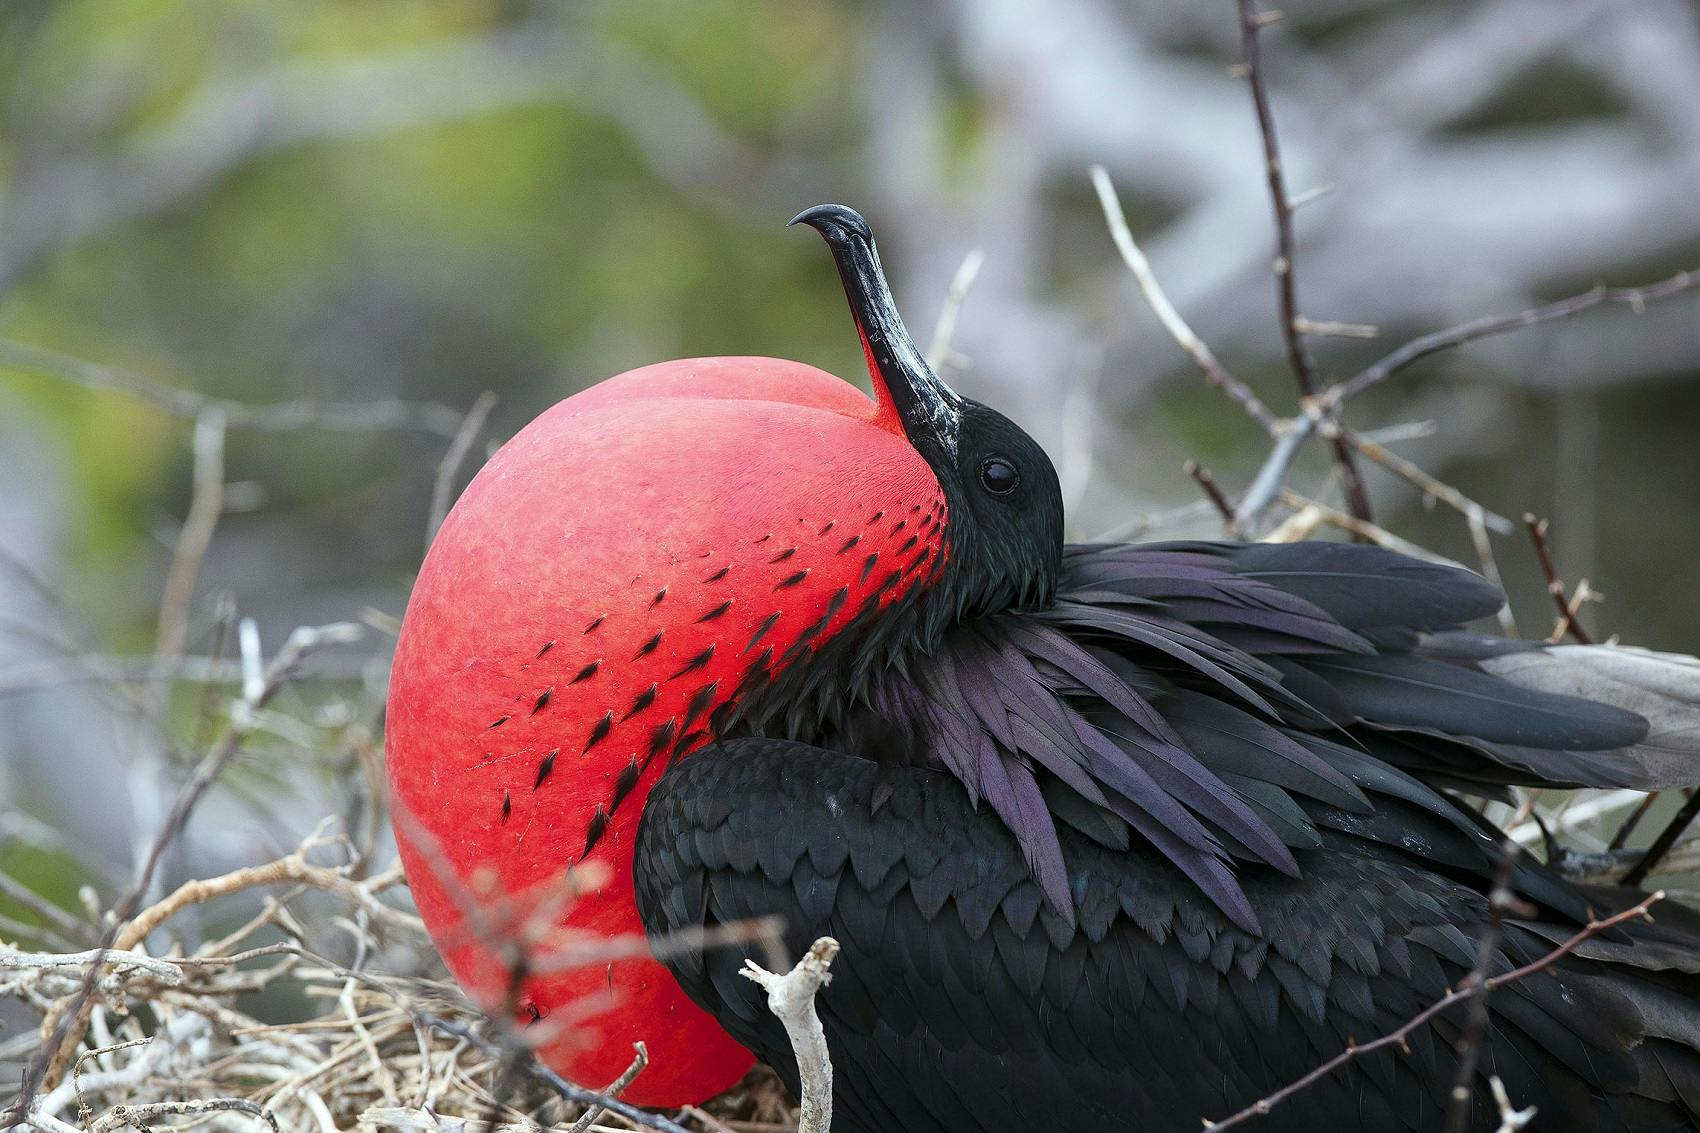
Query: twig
(791, 997)
(1332, 329)
(1251, 23)
(1421, 347)
(1213, 491)
(1501, 900)
(63, 1027)
(1567, 622)
(442, 487)
(549, 1078)
(170, 1038)
(1286, 288)
(410, 1120)
(356, 417)
(1214, 372)
(1630, 823)
(1398, 1036)
(1272, 476)
(1297, 527)
(206, 503)
(1581, 596)
(108, 669)
(1475, 521)
(938, 351)
(135, 1115)
(120, 959)
(1424, 483)
(714, 1124)
(1369, 531)
(52, 916)
(615, 1088)
(294, 868)
(1667, 838)
(1407, 431)
(48, 1123)
(83, 1110)
(1139, 523)
(1511, 1119)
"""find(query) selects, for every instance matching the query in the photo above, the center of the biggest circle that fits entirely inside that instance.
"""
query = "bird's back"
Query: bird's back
(1147, 856)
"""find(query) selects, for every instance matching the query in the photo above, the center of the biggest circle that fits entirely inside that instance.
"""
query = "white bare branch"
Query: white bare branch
(791, 997)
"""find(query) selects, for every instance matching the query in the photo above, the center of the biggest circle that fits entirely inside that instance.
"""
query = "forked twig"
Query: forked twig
(1567, 609)
(791, 997)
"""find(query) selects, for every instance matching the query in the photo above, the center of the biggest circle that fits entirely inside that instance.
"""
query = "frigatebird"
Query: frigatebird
(1113, 836)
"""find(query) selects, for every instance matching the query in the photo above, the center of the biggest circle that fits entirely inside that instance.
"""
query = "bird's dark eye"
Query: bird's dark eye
(998, 476)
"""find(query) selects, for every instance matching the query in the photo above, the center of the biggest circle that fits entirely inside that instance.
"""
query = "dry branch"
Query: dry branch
(1567, 609)
(1214, 372)
(442, 486)
(64, 1026)
(938, 350)
(1666, 840)
(1213, 492)
(791, 998)
(1501, 901)
(1636, 298)
(1398, 1036)
(1286, 288)
(282, 416)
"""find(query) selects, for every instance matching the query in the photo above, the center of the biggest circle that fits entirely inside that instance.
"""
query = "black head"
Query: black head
(1005, 525)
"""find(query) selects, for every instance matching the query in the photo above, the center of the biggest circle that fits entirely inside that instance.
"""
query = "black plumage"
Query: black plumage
(1118, 876)
(1127, 837)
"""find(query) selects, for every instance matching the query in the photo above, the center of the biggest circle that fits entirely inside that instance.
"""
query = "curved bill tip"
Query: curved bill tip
(829, 216)
(910, 395)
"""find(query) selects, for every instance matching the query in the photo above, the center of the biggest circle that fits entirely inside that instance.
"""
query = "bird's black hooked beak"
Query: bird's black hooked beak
(929, 411)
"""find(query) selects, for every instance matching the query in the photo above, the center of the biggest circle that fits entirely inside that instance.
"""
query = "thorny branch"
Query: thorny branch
(1567, 608)
(1398, 1036)
(1292, 323)
(1635, 298)
(1319, 409)
(1501, 900)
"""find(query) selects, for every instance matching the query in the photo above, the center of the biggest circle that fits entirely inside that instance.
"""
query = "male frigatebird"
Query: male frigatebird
(1113, 837)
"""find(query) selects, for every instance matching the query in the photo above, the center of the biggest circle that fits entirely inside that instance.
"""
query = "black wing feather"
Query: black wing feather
(973, 1013)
